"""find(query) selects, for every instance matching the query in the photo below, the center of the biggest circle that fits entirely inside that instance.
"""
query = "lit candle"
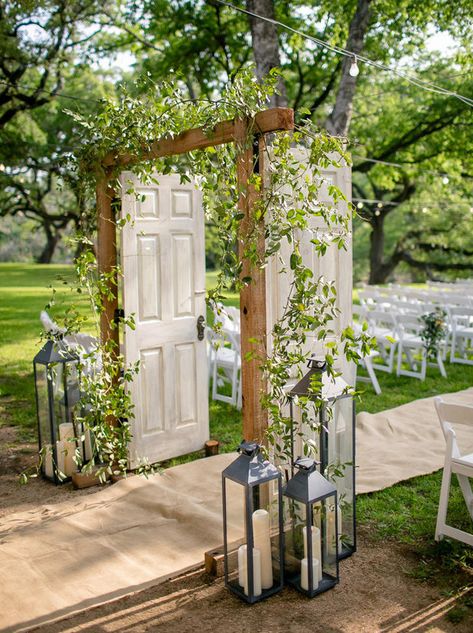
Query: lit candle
(316, 574)
(262, 542)
(316, 548)
(243, 571)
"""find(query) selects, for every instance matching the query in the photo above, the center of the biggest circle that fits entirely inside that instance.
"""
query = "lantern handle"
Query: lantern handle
(251, 449)
(306, 464)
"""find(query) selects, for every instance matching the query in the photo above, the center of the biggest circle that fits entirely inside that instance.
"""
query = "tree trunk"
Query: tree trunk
(338, 123)
(380, 267)
(52, 239)
(265, 43)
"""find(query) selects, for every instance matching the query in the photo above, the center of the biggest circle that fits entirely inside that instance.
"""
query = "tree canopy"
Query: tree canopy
(206, 43)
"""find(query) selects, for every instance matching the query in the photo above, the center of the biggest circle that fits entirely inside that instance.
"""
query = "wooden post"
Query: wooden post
(252, 295)
(107, 256)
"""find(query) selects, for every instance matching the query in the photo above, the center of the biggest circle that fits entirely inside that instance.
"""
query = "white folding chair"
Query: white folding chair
(451, 415)
(461, 321)
(225, 366)
(382, 325)
(411, 343)
(367, 363)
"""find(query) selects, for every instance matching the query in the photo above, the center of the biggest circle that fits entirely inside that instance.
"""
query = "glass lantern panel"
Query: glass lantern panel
(43, 404)
(56, 373)
(235, 532)
(294, 544)
(321, 556)
(252, 511)
(327, 514)
(340, 467)
(266, 538)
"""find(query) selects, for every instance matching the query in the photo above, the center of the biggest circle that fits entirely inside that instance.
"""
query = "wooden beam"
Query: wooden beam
(252, 295)
(107, 256)
(264, 122)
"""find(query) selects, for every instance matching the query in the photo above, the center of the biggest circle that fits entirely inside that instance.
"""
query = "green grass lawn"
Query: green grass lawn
(404, 513)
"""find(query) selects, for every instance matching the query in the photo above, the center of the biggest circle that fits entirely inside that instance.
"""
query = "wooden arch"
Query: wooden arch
(252, 296)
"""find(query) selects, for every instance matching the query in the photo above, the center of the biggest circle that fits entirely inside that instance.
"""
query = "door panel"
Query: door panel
(163, 262)
(336, 265)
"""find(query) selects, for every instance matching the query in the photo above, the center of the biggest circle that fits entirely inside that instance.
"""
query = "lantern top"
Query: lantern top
(308, 485)
(54, 352)
(331, 388)
(249, 468)
(305, 463)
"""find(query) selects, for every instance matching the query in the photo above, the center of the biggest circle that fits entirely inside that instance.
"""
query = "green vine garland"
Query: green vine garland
(290, 198)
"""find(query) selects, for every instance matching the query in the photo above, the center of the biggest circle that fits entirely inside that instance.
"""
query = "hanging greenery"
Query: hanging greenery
(433, 332)
(288, 205)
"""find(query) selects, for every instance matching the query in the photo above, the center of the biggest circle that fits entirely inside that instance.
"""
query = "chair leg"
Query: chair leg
(441, 365)
(443, 501)
(423, 367)
(467, 492)
(410, 360)
(452, 347)
(399, 359)
(372, 375)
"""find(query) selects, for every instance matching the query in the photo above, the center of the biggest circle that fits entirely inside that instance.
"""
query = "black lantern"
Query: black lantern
(310, 530)
(336, 449)
(252, 525)
(57, 395)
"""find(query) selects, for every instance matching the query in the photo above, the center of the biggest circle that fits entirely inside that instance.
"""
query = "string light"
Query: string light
(445, 180)
(354, 69)
(360, 205)
(420, 83)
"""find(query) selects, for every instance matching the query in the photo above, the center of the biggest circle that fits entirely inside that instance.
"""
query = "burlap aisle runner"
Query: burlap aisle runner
(404, 442)
(139, 532)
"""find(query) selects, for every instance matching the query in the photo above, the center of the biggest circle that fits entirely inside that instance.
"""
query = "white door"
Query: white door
(335, 266)
(163, 261)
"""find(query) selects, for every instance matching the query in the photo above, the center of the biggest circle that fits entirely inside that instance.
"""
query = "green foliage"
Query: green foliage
(289, 200)
(433, 332)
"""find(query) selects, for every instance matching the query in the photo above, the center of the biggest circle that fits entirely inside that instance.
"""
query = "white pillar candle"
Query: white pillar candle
(65, 457)
(316, 574)
(316, 547)
(262, 542)
(243, 570)
(331, 529)
(241, 565)
(61, 457)
(48, 461)
(66, 430)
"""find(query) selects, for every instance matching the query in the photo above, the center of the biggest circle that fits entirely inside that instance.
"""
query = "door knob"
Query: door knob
(201, 327)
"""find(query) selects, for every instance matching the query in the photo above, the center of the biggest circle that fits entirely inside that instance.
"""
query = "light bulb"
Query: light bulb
(445, 180)
(360, 205)
(377, 212)
(354, 70)
(424, 210)
(380, 205)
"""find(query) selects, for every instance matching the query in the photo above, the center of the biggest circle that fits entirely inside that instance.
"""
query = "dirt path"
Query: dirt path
(15, 458)
(376, 593)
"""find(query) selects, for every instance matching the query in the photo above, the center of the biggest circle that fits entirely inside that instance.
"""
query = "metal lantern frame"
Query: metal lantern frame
(308, 488)
(53, 353)
(251, 471)
(302, 388)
